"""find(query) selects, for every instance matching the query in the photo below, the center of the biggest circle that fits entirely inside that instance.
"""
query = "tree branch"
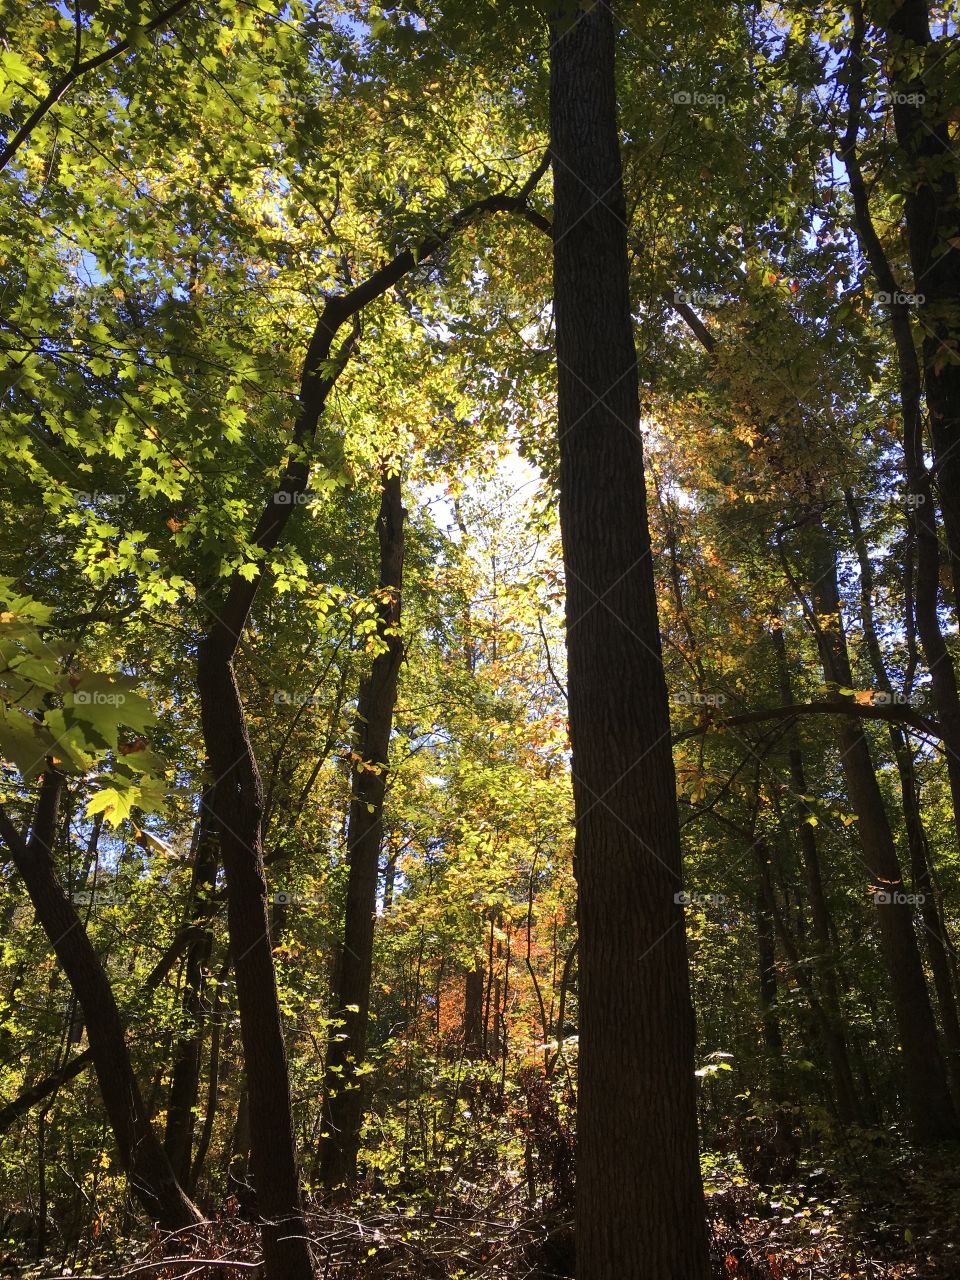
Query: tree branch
(893, 713)
(77, 69)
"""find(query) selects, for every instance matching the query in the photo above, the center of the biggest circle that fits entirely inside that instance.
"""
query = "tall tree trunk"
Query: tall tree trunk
(237, 803)
(924, 1079)
(845, 1092)
(922, 515)
(640, 1204)
(185, 1074)
(238, 791)
(343, 1086)
(921, 875)
(142, 1156)
(929, 184)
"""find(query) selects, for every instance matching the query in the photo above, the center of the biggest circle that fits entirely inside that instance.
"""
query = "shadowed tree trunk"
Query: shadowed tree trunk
(237, 799)
(640, 1208)
(142, 1156)
(343, 1086)
(922, 515)
(767, 980)
(845, 1093)
(185, 1073)
(921, 876)
(473, 989)
(923, 1078)
(929, 183)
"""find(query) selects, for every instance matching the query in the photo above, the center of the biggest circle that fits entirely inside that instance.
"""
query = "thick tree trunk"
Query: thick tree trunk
(923, 1077)
(185, 1074)
(640, 1208)
(142, 1156)
(343, 1085)
(473, 990)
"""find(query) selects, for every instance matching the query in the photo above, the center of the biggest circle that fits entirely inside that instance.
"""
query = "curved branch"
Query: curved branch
(321, 369)
(73, 73)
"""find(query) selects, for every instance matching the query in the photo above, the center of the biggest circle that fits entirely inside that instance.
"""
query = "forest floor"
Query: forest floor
(876, 1212)
(871, 1215)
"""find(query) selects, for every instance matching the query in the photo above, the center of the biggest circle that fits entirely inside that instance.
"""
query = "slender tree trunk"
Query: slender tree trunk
(640, 1208)
(922, 516)
(142, 1156)
(767, 984)
(920, 871)
(237, 803)
(929, 183)
(924, 1078)
(214, 1076)
(845, 1092)
(343, 1086)
(185, 1074)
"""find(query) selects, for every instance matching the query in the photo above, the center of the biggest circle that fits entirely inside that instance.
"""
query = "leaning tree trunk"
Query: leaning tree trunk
(343, 1082)
(238, 791)
(142, 1156)
(640, 1208)
(923, 1077)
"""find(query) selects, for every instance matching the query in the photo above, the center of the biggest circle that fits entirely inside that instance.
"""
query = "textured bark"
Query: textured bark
(343, 1087)
(923, 1077)
(473, 989)
(640, 1205)
(141, 1154)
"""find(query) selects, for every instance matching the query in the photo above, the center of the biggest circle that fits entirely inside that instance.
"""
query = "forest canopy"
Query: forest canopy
(479, 699)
